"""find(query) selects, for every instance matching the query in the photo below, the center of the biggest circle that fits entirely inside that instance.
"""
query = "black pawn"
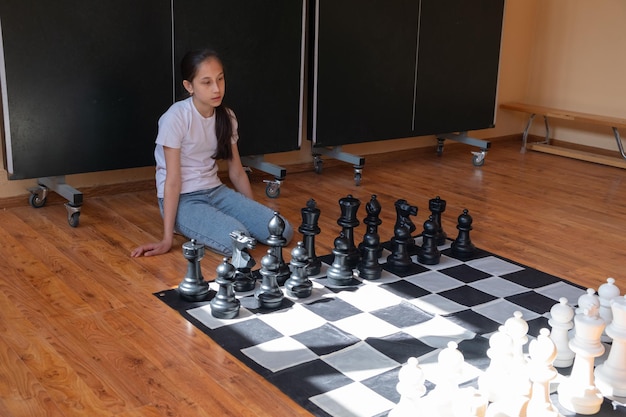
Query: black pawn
(372, 220)
(404, 211)
(463, 247)
(429, 253)
(437, 206)
(298, 285)
(400, 260)
(309, 229)
(369, 267)
(269, 294)
(225, 305)
(348, 221)
(276, 241)
(193, 287)
(340, 272)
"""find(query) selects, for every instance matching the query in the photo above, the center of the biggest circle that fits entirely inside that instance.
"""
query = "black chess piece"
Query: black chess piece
(340, 272)
(225, 305)
(348, 221)
(276, 241)
(243, 262)
(429, 253)
(269, 293)
(462, 247)
(369, 267)
(309, 229)
(437, 206)
(400, 260)
(193, 287)
(372, 220)
(298, 285)
(404, 211)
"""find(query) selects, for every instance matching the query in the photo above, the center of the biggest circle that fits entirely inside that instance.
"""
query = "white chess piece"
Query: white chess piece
(517, 328)
(513, 392)
(578, 392)
(411, 388)
(607, 292)
(493, 383)
(561, 321)
(611, 375)
(470, 403)
(440, 401)
(542, 353)
(589, 302)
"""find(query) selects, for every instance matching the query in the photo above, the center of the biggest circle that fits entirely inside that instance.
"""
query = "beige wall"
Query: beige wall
(522, 63)
(577, 63)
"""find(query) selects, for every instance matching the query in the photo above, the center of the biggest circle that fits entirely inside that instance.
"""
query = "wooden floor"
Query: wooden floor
(82, 334)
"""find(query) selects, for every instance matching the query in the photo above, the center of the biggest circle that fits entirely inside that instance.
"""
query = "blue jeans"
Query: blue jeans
(209, 216)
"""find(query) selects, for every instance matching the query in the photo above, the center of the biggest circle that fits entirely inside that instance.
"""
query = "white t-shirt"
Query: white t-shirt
(183, 127)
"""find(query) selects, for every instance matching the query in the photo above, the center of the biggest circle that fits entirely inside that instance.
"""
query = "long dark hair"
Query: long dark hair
(223, 119)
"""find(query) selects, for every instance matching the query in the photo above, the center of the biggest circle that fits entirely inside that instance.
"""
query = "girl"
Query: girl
(193, 134)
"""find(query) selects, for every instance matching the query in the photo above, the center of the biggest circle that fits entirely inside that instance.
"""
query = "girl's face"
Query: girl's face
(207, 87)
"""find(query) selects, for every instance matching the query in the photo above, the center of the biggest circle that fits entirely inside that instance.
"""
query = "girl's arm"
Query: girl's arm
(171, 196)
(237, 175)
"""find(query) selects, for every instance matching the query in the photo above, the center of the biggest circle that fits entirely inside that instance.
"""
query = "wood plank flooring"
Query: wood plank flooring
(82, 335)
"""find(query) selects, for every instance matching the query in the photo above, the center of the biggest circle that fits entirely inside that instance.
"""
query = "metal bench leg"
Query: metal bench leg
(620, 145)
(545, 121)
(525, 134)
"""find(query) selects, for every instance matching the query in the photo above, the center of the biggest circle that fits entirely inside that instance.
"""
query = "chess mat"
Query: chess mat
(338, 352)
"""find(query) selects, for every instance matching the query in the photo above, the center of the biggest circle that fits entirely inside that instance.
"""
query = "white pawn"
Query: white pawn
(440, 401)
(611, 375)
(411, 388)
(493, 382)
(607, 292)
(561, 321)
(589, 302)
(470, 403)
(517, 328)
(514, 391)
(542, 353)
(578, 392)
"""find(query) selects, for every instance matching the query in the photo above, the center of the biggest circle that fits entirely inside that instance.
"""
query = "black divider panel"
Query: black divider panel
(86, 83)
(389, 69)
(459, 50)
(260, 44)
(365, 73)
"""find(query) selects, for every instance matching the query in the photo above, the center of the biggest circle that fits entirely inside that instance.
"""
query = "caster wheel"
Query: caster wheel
(479, 159)
(439, 147)
(36, 200)
(317, 165)
(73, 219)
(357, 178)
(272, 190)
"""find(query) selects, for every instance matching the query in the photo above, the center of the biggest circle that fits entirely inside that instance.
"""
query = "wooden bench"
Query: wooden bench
(614, 123)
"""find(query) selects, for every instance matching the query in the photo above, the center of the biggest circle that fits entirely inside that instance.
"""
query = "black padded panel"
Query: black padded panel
(86, 82)
(459, 51)
(401, 68)
(365, 73)
(260, 44)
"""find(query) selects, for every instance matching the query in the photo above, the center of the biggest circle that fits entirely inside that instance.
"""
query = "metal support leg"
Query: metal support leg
(527, 129)
(272, 190)
(479, 157)
(525, 134)
(58, 185)
(545, 122)
(620, 145)
(358, 162)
